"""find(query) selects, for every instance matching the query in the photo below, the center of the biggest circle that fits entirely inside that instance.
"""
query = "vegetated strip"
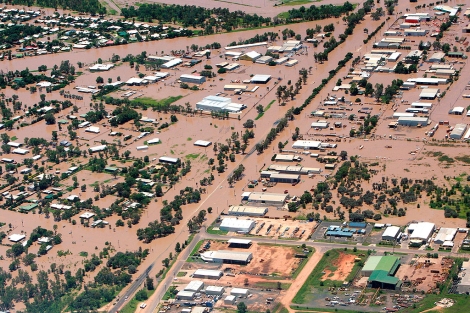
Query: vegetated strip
(260, 115)
(369, 37)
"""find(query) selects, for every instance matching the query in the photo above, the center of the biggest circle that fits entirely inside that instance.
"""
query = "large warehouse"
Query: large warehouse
(237, 225)
(380, 270)
(219, 104)
(195, 286)
(421, 231)
(306, 144)
(391, 233)
(242, 210)
(284, 178)
(265, 198)
(458, 131)
(192, 79)
(214, 290)
(413, 121)
(260, 79)
(463, 286)
(445, 234)
(227, 256)
(207, 274)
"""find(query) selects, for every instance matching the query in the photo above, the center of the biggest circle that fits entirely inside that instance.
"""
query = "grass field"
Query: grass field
(260, 115)
(326, 262)
(156, 104)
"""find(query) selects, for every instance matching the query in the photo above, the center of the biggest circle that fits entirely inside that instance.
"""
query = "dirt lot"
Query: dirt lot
(279, 260)
(343, 264)
(423, 273)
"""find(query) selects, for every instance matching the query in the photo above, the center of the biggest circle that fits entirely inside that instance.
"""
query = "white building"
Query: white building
(207, 274)
(306, 144)
(458, 131)
(247, 210)
(101, 67)
(445, 234)
(214, 290)
(192, 79)
(237, 225)
(92, 129)
(97, 148)
(260, 79)
(202, 143)
(219, 104)
(185, 295)
(195, 285)
(239, 292)
(391, 233)
(172, 63)
(421, 231)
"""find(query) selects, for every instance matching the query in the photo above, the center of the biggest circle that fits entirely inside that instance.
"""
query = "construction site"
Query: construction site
(424, 274)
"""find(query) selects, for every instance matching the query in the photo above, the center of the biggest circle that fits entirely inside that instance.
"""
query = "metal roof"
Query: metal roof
(239, 241)
(391, 231)
(247, 210)
(194, 285)
(382, 277)
(204, 272)
(229, 255)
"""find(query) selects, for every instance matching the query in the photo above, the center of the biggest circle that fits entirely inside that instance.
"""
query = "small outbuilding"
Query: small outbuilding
(185, 295)
(230, 300)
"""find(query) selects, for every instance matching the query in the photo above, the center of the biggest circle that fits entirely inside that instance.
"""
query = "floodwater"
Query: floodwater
(178, 139)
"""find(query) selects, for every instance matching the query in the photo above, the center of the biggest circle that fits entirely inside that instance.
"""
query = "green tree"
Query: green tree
(241, 307)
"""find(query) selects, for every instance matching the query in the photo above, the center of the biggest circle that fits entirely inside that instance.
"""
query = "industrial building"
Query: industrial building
(320, 125)
(265, 198)
(284, 178)
(230, 300)
(429, 94)
(172, 63)
(237, 225)
(337, 231)
(445, 235)
(306, 144)
(264, 59)
(192, 79)
(458, 131)
(413, 121)
(391, 233)
(185, 295)
(195, 286)
(260, 79)
(239, 243)
(227, 256)
(202, 143)
(250, 56)
(219, 104)
(214, 290)
(380, 270)
(170, 160)
(293, 169)
(207, 274)
(463, 287)
(239, 292)
(457, 111)
(97, 148)
(421, 231)
(247, 210)
(287, 158)
(437, 57)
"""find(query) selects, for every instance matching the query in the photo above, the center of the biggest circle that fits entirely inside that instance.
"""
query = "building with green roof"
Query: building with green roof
(380, 270)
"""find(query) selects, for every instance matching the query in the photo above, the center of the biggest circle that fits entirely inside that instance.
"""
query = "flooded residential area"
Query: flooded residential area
(234, 156)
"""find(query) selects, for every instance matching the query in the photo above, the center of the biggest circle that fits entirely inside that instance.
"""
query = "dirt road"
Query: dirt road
(300, 280)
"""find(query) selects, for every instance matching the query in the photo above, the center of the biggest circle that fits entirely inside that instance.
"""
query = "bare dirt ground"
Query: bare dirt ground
(343, 264)
(267, 259)
(424, 276)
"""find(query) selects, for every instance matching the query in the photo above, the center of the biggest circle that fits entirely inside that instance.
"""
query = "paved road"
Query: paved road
(131, 290)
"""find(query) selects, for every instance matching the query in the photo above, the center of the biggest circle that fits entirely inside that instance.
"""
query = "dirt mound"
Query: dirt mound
(343, 264)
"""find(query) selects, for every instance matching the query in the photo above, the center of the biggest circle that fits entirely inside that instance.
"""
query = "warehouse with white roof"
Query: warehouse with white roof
(202, 143)
(237, 225)
(391, 233)
(239, 292)
(445, 234)
(458, 131)
(227, 256)
(195, 285)
(207, 274)
(245, 210)
(214, 290)
(219, 104)
(265, 198)
(306, 144)
(421, 231)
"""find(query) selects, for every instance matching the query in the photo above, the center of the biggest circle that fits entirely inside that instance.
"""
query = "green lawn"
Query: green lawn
(326, 263)
(260, 115)
(297, 2)
(213, 231)
(462, 303)
(157, 104)
(181, 274)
